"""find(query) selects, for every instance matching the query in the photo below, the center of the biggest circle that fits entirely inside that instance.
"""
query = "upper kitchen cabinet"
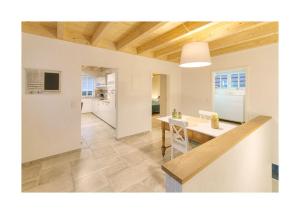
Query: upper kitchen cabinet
(100, 82)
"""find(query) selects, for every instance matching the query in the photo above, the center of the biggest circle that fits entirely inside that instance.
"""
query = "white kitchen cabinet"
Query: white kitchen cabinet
(105, 111)
(100, 82)
(87, 105)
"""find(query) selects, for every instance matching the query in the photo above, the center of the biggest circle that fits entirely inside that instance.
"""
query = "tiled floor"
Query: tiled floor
(103, 164)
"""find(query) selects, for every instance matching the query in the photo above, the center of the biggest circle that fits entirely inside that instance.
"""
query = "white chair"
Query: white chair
(206, 114)
(179, 137)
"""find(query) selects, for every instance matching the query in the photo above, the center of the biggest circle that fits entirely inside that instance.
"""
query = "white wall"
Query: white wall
(244, 168)
(262, 84)
(51, 123)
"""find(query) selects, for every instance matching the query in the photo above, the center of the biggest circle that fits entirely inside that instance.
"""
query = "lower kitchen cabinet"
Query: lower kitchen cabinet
(105, 110)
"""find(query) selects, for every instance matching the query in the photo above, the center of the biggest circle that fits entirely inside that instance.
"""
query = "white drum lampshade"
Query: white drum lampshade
(195, 54)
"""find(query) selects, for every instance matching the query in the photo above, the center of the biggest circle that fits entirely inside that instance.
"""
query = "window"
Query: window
(230, 80)
(217, 81)
(87, 86)
(224, 81)
(234, 80)
(242, 80)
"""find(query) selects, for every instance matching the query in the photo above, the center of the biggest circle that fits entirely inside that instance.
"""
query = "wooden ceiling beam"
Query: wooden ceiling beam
(38, 28)
(60, 30)
(262, 29)
(174, 56)
(135, 33)
(257, 42)
(180, 31)
(212, 32)
(97, 35)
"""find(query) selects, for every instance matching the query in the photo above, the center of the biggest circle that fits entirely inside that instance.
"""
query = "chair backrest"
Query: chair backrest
(178, 131)
(206, 114)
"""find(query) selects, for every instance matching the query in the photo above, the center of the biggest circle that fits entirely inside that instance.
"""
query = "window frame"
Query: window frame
(229, 80)
(87, 89)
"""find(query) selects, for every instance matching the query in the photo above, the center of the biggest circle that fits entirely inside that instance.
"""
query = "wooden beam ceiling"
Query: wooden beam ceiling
(138, 31)
(38, 28)
(259, 30)
(174, 34)
(238, 46)
(157, 39)
(264, 40)
(214, 31)
(97, 35)
(60, 30)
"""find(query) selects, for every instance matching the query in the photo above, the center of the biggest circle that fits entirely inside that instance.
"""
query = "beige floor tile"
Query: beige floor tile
(62, 184)
(66, 158)
(123, 148)
(54, 173)
(84, 167)
(103, 152)
(30, 173)
(139, 187)
(28, 185)
(129, 176)
(153, 185)
(114, 168)
(150, 148)
(134, 158)
(91, 183)
(104, 164)
(107, 189)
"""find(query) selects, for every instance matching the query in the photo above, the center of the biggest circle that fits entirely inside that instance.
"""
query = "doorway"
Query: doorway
(98, 103)
(159, 97)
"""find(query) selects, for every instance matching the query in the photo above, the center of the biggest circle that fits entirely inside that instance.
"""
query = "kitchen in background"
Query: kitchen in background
(98, 93)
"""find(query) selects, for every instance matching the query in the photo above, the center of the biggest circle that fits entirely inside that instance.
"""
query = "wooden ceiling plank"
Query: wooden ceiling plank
(213, 32)
(141, 29)
(174, 34)
(249, 34)
(174, 56)
(38, 28)
(254, 42)
(257, 42)
(97, 35)
(60, 30)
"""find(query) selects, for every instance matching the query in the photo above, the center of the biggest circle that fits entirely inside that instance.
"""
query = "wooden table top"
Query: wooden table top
(198, 124)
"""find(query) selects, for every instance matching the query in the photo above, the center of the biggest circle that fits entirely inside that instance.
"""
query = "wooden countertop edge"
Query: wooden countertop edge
(189, 164)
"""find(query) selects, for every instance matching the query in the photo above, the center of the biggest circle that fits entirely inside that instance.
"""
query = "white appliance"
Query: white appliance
(230, 105)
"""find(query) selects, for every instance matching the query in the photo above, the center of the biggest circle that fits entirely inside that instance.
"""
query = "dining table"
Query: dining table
(199, 130)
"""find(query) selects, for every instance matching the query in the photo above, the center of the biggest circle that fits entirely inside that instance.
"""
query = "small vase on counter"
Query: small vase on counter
(179, 115)
(214, 121)
(174, 114)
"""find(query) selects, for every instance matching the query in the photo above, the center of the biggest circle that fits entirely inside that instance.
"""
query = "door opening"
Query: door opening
(98, 102)
(159, 97)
